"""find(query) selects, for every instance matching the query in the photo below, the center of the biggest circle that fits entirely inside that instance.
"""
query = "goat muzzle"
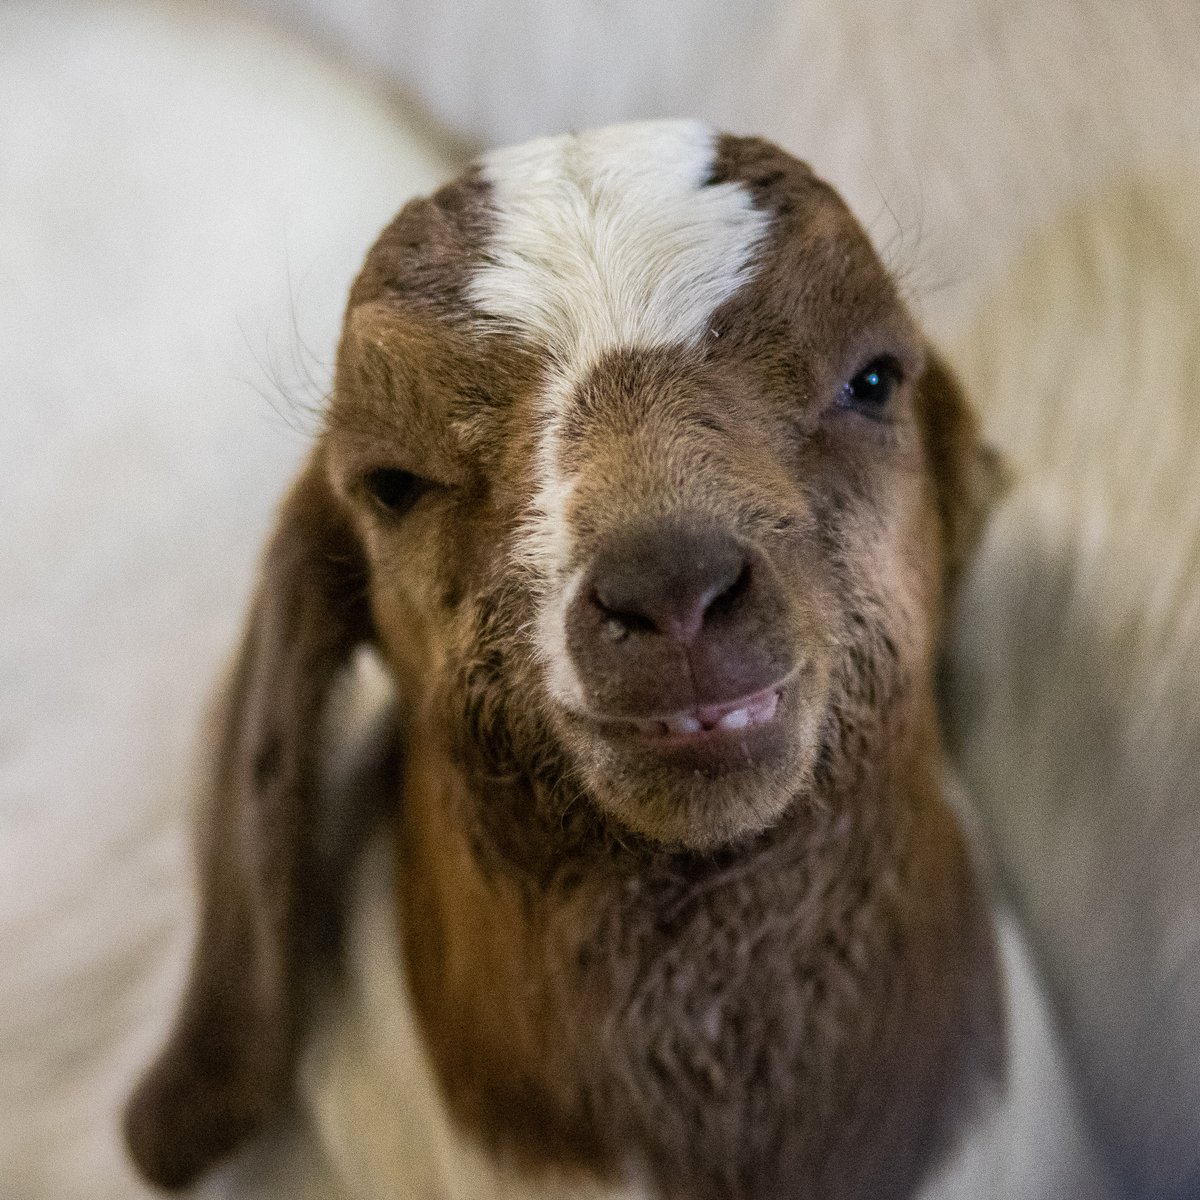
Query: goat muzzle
(680, 634)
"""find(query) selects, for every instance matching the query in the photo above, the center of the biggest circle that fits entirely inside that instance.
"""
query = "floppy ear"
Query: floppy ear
(267, 896)
(970, 475)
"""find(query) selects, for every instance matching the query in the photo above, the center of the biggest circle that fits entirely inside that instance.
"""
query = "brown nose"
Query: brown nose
(668, 582)
(676, 615)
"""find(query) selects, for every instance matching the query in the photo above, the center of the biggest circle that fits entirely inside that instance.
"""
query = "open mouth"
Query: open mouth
(702, 774)
(706, 721)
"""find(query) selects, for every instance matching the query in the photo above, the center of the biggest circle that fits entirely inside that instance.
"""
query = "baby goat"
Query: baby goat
(651, 496)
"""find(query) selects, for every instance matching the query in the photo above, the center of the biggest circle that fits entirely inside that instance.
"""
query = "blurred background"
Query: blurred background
(186, 191)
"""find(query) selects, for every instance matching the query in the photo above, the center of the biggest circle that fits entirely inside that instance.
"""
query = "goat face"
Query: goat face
(639, 440)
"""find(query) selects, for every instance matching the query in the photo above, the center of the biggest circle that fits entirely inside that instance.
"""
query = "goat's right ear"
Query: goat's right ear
(264, 894)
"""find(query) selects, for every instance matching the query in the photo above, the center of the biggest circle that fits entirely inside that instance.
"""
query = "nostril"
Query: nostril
(621, 620)
(732, 596)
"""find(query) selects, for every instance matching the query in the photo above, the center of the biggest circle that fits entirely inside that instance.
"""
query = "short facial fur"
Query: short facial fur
(543, 440)
(661, 582)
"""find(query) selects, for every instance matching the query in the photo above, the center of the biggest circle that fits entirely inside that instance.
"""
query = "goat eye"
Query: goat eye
(395, 491)
(870, 390)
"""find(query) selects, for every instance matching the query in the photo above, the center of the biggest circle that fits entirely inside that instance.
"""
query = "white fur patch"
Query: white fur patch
(1033, 1142)
(610, 238)
(377, 1114)
(606, 240)
(561, 677)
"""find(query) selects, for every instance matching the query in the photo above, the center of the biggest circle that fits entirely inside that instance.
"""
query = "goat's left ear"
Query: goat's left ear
(266, 890)
(970, 475)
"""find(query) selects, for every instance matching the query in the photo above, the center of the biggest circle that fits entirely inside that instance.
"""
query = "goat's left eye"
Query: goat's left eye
(870, 390)
(396, 491)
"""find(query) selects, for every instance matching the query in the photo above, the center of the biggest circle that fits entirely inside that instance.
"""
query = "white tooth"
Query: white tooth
(738, 719)
(682, 723)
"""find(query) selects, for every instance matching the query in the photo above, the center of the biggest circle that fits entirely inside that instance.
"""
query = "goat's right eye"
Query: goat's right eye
(395, 491)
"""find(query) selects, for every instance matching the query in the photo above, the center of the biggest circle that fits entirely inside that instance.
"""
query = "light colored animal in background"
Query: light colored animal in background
(652, 497)
(1078, 655)
(1033, 169)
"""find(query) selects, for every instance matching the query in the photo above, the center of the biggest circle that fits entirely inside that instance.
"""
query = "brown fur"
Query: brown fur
(776, 982)
(269, 905)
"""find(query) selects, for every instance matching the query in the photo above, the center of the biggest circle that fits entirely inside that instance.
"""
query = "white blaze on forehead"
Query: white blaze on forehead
(602, 241)
(611, 239)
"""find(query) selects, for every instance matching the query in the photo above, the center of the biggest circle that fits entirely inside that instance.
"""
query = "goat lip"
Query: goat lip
(704, 723)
